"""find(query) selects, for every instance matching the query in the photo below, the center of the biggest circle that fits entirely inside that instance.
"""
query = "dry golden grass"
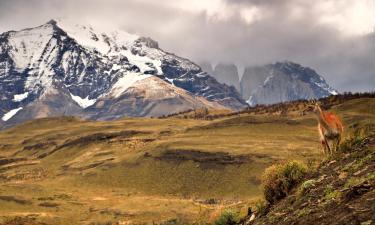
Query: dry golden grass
(69, 171)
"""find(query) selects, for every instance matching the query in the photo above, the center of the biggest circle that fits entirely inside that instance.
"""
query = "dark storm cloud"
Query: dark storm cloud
(214, 30)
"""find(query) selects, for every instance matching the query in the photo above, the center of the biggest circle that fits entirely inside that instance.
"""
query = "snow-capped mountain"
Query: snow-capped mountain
(288, 81)
(59, 68)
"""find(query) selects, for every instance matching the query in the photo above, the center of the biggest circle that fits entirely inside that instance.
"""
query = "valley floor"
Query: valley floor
(68, 171)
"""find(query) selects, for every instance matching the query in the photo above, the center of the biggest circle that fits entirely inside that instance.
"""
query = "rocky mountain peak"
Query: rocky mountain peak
(149, 42)
(227, 73)
(52, 22)
(288, 81)
(88, 63)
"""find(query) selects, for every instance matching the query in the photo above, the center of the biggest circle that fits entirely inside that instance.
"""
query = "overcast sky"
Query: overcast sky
(334, 37)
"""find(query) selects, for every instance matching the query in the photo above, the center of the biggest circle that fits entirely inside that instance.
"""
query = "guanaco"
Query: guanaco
(330, 128)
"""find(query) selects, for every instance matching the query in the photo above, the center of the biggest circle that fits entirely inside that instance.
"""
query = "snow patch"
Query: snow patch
(116, 67)
(28, 45)
(42, 71)
(83, 102)
(10, 114)
(98, 38)
(143, 62)
(250, 101)
(327, 88)
(201, 74)
(268, 79)
(125, 82)
(206, 88)
(334, 92)
(20, 97)
(169, 80)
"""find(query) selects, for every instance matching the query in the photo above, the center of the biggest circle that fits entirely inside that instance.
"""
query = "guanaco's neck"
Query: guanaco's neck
(319, 113)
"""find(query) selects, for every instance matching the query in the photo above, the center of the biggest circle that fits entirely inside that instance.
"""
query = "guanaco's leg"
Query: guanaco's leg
(327, 145)
(323, 147)
(338, 143)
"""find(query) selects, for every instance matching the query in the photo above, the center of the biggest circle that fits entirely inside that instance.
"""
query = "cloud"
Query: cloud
(335, 37)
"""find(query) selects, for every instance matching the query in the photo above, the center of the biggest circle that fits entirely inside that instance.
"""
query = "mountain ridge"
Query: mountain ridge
(288, 81)
(272, 83)
(89, 63)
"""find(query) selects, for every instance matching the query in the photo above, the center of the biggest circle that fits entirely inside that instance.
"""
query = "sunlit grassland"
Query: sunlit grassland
(66, 170)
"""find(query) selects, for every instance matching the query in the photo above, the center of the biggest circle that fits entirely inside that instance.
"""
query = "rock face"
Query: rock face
(224, 73)
(59, 68)
(227, 74)
(252, 78)
(281, 82)
(207, 67)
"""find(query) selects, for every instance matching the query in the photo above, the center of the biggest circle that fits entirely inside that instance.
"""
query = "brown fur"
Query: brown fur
(330, 129)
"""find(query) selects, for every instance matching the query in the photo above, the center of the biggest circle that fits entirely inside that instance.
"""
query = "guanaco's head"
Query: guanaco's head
(314, 106)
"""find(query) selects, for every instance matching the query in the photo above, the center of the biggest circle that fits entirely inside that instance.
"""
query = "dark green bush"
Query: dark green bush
(227, 218)
(278, 180)
(261, 207)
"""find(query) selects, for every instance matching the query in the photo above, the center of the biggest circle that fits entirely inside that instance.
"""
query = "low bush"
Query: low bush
(261, 207)
(278, 180)
(331, 194)
(350, 143)
(306, 186)
(228, 217)
(357, 137)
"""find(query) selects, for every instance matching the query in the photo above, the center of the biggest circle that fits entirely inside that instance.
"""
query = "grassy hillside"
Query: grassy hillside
(68, 171)
(342, 189)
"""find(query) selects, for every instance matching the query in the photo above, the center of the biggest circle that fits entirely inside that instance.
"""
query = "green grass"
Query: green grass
(330, 194)
(228, 217)
(131, 178)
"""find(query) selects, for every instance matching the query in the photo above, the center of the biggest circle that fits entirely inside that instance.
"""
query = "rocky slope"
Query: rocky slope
(147, 97)
(286, 81)
(342, 191)
(60, 65)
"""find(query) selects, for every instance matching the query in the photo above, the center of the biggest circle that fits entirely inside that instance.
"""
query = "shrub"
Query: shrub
(261, 207)
(351, 143)
(331, 194)
(228, 217)
(354, 181)
(306, 186)
(358, 137)
(278, 180)
(200, 113)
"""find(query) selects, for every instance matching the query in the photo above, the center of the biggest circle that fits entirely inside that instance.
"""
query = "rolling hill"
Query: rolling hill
(67, 170)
